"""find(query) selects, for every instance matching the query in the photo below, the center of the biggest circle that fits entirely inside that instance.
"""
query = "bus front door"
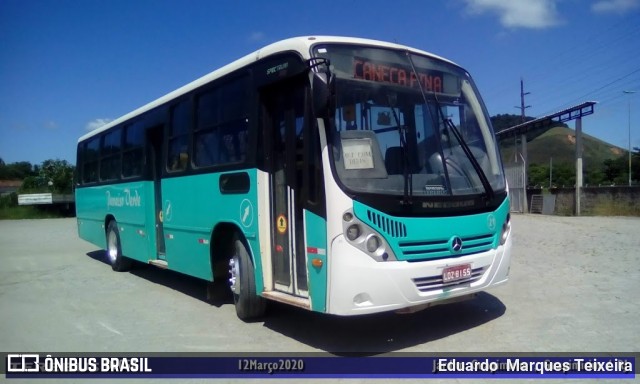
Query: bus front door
(154, 140)
(283, 116)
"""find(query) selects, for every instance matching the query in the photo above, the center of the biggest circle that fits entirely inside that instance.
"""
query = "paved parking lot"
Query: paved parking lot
(574, 286)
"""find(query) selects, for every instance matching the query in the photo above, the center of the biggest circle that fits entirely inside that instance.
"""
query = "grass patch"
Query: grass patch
(22, 212)
(10, 210)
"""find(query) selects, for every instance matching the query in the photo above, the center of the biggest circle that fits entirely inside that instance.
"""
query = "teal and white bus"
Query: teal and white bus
(341, 175)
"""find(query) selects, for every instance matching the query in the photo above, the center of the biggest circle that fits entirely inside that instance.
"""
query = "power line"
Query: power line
(600, 88)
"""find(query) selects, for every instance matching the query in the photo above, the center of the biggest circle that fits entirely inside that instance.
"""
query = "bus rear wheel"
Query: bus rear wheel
(243, 284)
(119, 262)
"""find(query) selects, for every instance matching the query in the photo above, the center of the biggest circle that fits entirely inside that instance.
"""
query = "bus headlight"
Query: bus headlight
(353, 232)
(506, 228)
(373, 243)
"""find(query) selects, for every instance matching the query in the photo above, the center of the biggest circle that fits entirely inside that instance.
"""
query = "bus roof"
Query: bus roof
(300, 44)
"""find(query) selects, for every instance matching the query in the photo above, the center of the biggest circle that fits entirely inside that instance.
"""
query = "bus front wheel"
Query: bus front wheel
(243, 284)
(119, 263)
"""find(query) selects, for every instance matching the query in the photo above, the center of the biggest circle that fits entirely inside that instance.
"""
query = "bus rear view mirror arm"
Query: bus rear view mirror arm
(322, 83)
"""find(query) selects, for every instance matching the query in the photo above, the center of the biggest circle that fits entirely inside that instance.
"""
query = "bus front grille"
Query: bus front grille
(387, 225)
(434, 249)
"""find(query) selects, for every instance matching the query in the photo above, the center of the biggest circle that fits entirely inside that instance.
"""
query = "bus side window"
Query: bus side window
(221, 124)
(110, 160)
(206, 148)
(90, 160)
(178, 156)
(133, 150)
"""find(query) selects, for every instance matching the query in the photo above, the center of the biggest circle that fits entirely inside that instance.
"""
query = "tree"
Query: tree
(15, 171)
(594, 177)
(58, 174)
(538, 175)
(615, 170)
(54, 176)
(564, 175)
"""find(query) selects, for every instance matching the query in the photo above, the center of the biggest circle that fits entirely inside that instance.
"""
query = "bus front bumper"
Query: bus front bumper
(360, 285)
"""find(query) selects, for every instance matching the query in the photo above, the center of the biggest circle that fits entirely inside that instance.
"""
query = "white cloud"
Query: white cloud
(615, 6)
(50, 125)
(535, 14)
(256, 36)
(95, 124)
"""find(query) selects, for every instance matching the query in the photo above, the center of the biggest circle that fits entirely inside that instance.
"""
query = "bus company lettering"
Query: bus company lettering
(448, 204)
(129, 199)
(365, 69)
(277, 68)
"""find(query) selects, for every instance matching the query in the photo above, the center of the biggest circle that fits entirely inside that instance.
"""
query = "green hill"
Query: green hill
(559, 143)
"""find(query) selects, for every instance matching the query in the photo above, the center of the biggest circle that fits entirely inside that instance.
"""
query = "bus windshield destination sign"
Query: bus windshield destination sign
(366, 69)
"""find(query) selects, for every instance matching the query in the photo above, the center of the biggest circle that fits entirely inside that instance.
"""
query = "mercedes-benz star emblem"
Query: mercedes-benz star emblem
(456, 244)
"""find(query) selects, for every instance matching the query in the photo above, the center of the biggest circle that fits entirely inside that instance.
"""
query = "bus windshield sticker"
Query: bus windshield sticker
(435, 190)
(357, 154)
(168, 210)
(281, 224)
(246, 213)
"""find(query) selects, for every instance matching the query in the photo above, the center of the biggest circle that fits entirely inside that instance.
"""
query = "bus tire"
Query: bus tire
(243, 284)
(118, 261)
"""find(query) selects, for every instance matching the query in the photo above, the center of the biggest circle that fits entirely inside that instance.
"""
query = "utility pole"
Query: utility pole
(550, 172)
(629, 93)
(523, 139)
(522, 107)
(578, 164)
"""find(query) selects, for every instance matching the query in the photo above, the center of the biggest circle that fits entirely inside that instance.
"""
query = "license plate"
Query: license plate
(455, 273)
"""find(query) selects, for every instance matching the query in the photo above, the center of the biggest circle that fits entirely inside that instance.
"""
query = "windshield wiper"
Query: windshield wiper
(467, 151)
(408, 176)
(449, 124)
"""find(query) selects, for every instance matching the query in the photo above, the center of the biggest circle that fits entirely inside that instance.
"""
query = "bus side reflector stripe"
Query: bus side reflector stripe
(203, 241)
(316, 251)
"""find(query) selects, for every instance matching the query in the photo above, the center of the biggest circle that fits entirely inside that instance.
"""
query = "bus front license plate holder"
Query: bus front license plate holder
(455, 273)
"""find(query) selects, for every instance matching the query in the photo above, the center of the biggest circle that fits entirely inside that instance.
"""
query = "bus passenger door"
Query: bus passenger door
(154, 140)
(283, 119)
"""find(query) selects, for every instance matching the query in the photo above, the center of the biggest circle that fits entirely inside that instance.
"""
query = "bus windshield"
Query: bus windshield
(409, 125)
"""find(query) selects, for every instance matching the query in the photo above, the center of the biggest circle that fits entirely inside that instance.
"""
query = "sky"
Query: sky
(67, 67)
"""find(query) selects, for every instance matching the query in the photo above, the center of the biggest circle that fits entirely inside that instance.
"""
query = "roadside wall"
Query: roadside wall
(595, 201)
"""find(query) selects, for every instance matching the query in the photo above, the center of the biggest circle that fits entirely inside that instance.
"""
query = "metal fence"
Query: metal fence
(517, 190)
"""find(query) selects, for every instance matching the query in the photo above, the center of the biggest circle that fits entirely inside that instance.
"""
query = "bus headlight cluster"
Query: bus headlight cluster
(506, 228)
(366, 238)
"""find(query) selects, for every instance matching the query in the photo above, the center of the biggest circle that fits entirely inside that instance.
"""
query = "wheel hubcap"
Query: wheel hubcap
(234, 273)
(112, 247)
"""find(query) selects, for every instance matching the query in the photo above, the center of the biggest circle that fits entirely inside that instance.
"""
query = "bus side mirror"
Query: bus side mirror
(322, 86)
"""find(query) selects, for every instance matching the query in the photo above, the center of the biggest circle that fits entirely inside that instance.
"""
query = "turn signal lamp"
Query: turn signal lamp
(506, 228)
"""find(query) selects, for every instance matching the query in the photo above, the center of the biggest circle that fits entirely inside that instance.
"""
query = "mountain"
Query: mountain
(559, 143)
